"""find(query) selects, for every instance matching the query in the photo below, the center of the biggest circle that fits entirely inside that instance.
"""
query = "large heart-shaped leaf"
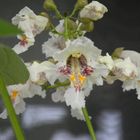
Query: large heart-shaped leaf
(12, 68)
(7, 29)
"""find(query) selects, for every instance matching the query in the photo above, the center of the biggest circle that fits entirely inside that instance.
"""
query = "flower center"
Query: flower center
(23, 40)
(77, 70)
(13, 95)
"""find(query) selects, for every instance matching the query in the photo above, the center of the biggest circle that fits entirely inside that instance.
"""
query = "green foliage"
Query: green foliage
(7, 29)
(12, 69)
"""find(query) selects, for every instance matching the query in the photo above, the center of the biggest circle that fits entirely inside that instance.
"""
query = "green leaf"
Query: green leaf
(12, 69)
(7, 29)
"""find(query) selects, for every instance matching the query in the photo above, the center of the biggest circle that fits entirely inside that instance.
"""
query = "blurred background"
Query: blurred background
(115, 115)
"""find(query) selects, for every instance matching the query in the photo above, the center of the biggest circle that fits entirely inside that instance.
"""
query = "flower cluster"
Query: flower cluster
(73, 63)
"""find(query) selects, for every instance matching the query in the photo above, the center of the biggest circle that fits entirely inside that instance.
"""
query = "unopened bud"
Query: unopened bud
(89, 26)
(117, 52)
(71, 25)
(50, 5)
(80, 4)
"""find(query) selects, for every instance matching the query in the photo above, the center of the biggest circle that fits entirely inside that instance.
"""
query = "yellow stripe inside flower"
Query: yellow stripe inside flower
(14, 94)
(77, 80)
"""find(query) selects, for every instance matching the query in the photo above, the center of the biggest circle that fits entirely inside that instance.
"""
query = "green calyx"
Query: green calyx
(117, 52)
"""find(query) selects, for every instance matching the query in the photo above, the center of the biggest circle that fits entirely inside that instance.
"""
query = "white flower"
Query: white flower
(31, 24)
(18, 92)
(93, 11)
(107, 60)
(134, 82)
(78, 63)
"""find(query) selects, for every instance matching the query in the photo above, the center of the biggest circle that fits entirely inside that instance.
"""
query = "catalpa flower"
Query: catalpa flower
(120, 69)
(93, 11)
(19, 92)
(132, 83)
(78, 63)
(31, 24)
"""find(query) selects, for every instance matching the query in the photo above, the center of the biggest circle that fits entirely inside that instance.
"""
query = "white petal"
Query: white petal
(51, 72)
(100, 72)
(133, 55)
(88, 86)
(107, 60)
(126, 67)
(60, 27)
(37, 72)
(36, 90)
(74, 99)
(128, 85)
(39, 24)
(53, 45)
(20, 107)
(110, 79)
(81, 45)
(3, 115)
(138, 92)
(58, 95)
(23, 14)
(77, 113)
(19, 48)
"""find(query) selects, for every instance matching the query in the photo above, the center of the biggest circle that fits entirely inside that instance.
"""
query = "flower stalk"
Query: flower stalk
(88, 123)
(58, 84)
(11, 112)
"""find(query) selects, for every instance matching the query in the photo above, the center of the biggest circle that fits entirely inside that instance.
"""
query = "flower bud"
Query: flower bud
(93, 11)
(88, 26)
(117, 53)
(50, 5)
(71, 25)
(80, 4)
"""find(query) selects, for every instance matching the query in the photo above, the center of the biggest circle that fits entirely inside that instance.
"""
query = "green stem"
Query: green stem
(58, 84)
(73, 12)
(66, 34)
(11, 112)
(58, 14)
(89, 124)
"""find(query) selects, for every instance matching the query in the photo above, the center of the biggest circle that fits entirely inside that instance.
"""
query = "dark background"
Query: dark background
(115, 115)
